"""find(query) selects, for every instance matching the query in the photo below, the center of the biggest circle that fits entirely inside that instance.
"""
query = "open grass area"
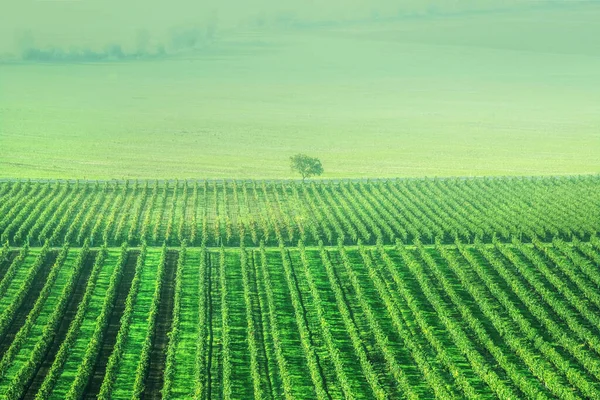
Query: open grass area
(407, 98)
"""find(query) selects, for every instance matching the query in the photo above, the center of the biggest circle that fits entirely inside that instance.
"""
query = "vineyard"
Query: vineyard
(387, 289)
(246, 213)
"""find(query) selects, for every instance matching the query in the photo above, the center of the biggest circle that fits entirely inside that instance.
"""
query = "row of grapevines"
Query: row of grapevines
(19, 193)
(22, 334)
(15, 217)
(560, 283)
(8, 313)
(426, 329)
(124, 324)
(171, 214)
(144, 361)
(117, 207)
(557, 331)
(350, 327)
(175, 328)
(125, 214)
(52, 222)
(377, 224)
(333, 350)
(308, 347)
(103, 213)
(304, 220)
(14, 266)
(381, 339)
(315, 217)
(39, 228)
(86, 367)
(320, 204)
(7, 190)
(225, 329)
(21, 380)
(4, 252)
(66, 216)
(462, 341)
(551, 299)
(159, 215)
(349, 220)
(278, 344)
(375, 201)
(143, 233)
(200, 360)
(518, 332)
(407, 204)
(194, 217)
(327, 210)
(586, 288)
(417, 353)
(204, 232)
(251, 328)
(63, 352)
(137, 214)
(89, 215)
(77, 220)
(182, 217)
(33, 215)
(581, 263)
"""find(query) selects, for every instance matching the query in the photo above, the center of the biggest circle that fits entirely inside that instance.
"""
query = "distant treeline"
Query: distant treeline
(144, 46)
(111, 53)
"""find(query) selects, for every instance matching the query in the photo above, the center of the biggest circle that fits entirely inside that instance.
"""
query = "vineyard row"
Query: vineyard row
(505, 319)
(247, 213)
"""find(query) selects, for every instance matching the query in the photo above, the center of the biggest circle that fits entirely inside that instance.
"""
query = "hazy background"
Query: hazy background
(141, 26)
(103, 89)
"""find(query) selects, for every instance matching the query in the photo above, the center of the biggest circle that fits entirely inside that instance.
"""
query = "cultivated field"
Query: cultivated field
(249, 285)
(248, 212)
(496, 94)
(425, 288)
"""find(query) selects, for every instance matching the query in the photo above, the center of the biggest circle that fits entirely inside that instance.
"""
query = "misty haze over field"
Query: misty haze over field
(112, 88)
(152, 27)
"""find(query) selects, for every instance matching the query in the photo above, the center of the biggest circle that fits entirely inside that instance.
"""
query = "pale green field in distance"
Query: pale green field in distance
(506, 94)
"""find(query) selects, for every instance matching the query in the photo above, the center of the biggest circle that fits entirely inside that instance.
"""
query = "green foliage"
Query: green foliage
(353, 317)
(63, 352)
(435, 289)
(306, 166)
(117, 352)
(50, 327)
(86, 368)
(246, 212)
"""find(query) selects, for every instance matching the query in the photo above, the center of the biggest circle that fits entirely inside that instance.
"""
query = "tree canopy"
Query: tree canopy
(306, 166)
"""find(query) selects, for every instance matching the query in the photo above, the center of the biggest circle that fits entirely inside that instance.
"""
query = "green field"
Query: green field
(154, 243)
(231, 213)
(421, 97)
(389, 289)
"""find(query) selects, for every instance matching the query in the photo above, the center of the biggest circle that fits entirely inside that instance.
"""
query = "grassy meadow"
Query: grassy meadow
(414, 97)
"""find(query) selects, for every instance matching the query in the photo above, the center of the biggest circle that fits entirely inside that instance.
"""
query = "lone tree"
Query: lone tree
(306, 166)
